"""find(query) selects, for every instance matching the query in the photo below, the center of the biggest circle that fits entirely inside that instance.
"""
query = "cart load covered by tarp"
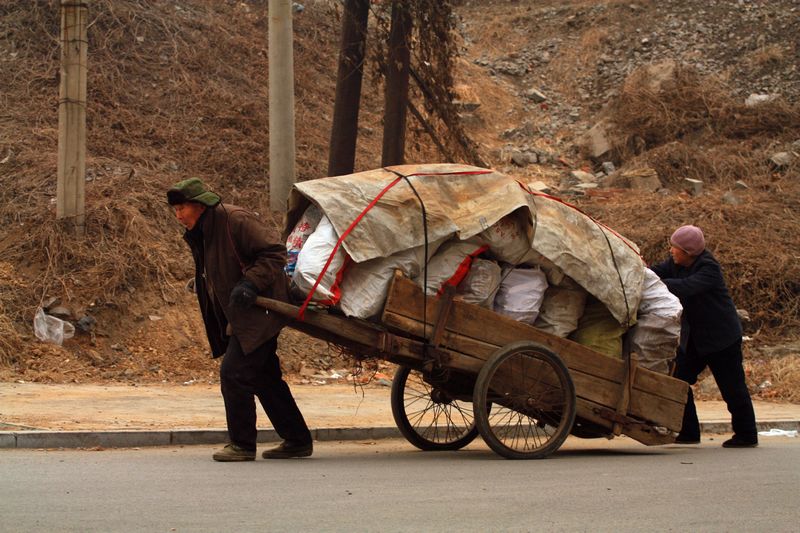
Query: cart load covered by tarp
(379, 213)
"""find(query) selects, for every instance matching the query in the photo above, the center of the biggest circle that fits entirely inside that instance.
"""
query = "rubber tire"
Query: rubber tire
(410, 432)
(481, 397)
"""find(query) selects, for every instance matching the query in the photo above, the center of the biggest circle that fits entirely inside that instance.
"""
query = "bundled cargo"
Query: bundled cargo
(562, 272)
(450, 265)
(312, 260)
(562, 307)
(657, 332)
(481, 284)
(520, 294)
(364, 285)
(299, 235)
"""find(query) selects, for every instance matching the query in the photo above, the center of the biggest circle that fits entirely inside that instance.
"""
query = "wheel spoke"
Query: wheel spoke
(533, 399)
(428, 416)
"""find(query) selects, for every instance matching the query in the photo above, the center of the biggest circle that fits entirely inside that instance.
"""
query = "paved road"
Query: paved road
(589, 485)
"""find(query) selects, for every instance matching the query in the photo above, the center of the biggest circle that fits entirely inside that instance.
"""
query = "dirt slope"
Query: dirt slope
(180, 89)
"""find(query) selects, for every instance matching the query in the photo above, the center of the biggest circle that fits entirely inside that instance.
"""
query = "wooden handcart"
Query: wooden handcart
(465, 370)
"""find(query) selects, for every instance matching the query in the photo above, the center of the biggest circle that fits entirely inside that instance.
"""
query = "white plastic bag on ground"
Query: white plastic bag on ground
(481, 283)
(562, 308)
(311, 260)
(657, 332)
(450, 264)
(365, 285)
(520, 294)
(300, 234)
(51, 329)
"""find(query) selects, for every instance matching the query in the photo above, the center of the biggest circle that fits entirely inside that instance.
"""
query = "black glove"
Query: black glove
(243, 294)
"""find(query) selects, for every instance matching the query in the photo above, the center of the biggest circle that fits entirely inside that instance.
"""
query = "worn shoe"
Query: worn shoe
(740, 442)
(686, 440)
(232, 452)
(288, 449)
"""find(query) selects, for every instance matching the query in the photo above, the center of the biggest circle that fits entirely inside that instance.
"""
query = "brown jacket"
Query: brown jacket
(235, 245)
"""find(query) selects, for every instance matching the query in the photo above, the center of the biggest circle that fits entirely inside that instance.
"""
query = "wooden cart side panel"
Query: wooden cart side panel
(477, 331)
(405, 299)
(592, 387)
(641, 432)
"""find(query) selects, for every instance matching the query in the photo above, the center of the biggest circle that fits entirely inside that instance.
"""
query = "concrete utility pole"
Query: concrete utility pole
(396, 92)
(281, 104)
(344, 131)
(70, 188)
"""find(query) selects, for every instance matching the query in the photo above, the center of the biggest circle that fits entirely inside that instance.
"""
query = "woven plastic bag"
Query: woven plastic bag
(520, 294)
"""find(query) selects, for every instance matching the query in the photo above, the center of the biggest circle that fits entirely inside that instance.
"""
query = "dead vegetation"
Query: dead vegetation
(673, 104)
(176, 92)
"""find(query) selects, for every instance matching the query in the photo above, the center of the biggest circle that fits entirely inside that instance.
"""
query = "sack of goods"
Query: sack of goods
(489, 240)
(657, 332)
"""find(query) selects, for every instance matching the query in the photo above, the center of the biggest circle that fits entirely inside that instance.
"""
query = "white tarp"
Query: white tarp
(463, 200)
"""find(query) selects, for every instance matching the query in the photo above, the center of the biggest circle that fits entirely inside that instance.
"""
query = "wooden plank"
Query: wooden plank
(358, 332)
(475, 330)
(640, 432)
(405, 298)
(587, 386)
(366, 338)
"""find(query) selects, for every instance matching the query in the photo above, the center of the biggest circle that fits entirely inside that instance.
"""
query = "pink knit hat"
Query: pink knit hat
(689, 239)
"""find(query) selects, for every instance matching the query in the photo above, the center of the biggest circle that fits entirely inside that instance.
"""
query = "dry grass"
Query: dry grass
(12, 292)
(775, 378)
(689, 126)
(768, 57)
(175, 90)
(692, 108)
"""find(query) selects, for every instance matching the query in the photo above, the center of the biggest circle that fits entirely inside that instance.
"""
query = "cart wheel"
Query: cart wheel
(533, 401)
(427, 416)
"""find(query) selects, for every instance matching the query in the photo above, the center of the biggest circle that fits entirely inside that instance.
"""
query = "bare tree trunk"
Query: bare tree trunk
(396, 93)
(344, 131)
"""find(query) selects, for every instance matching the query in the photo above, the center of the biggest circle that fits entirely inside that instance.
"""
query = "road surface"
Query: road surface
(387, 485)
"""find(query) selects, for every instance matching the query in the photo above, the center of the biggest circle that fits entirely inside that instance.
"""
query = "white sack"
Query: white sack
(445, 262)
(656, 335)
(311, 260)
(656, 298)
(481, 284)
(520, 294)
(655, 339)
(365, 285)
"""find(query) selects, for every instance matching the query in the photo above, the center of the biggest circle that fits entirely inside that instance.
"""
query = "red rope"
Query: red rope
(302, 311)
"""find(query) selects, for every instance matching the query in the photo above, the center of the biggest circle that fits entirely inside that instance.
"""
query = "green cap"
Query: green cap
(191, 190)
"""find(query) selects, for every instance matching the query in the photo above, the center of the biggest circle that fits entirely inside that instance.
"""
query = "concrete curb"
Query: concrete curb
(186, 437)
(176, 437)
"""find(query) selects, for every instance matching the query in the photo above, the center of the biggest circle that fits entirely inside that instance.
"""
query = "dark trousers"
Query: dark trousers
(726, 366)
(258, 374)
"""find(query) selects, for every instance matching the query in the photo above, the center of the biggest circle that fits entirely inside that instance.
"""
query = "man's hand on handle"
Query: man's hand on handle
(244, 294)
